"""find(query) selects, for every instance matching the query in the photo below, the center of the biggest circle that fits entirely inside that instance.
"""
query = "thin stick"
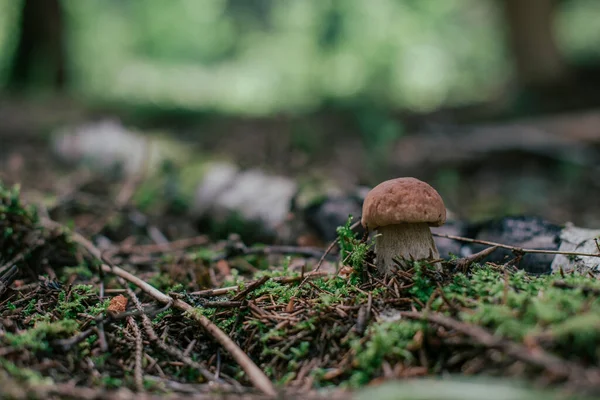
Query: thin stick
(281, 279)
(513, 248)
(463, 264)
(138, 376)
(253, 286)
(255, 374)
(539, 358)
(161, 344)
(329, 248)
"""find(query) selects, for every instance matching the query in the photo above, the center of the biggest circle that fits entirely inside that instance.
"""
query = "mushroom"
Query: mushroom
(402, 210)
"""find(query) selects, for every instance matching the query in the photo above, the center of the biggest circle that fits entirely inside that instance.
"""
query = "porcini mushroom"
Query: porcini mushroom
(402, 210)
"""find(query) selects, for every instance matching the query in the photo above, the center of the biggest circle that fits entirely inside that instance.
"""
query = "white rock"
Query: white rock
(258, 196)
(578, 240)
(217, 177)
(107, 144)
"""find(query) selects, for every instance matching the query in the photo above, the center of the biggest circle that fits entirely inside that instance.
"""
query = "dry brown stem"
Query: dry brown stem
(255, 374)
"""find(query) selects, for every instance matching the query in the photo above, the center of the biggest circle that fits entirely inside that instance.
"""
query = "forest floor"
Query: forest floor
(98, 300)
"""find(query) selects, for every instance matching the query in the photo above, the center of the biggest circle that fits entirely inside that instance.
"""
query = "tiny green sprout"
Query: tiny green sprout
(353, 251)
(38, 337)
(27, 375)
(159, 317)
(79, 297)
(30, 308)
(423, 287)
(301, 350)
(286, 265)
(98, 308)
(236, 279)
(177, 288)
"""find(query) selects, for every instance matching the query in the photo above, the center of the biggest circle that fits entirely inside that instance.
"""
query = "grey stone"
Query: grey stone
(253, 198)
(579, 240)
(106, 146)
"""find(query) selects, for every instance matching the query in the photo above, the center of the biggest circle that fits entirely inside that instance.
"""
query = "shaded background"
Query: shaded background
(494, 102)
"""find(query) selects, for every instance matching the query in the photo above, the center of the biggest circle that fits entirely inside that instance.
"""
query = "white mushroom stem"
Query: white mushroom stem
(404, 242)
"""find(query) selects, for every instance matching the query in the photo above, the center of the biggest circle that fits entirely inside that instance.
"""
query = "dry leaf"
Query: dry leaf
(118, 304)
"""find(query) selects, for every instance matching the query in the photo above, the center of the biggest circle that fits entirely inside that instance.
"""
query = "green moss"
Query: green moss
(423, 285)
(159, 317)
(82, 271)
(161, 281)
(387, 341)
(38, 337)
(77, 301)
(282, 293)
(24, 374)
(99, 308)
(30, 308)
(353, 251)
(516, 305)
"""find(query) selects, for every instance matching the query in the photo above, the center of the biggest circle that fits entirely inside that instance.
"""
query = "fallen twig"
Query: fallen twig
(255, 374)
(161, 344)
(7, 278)
(281, 279)
(329, 248)
(559, 367)
(138, 377)
(584, 289)
(254, 285)
(464, 263)
(514, 248)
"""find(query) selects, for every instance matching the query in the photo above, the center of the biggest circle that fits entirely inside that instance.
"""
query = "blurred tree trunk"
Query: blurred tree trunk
(40, 53)
(531, 35)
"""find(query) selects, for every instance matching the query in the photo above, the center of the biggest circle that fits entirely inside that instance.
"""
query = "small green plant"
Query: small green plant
(77, 302)
(353, 251)
(23, 374)
(30, 308)
(423, 285)
(387, 341)
(37, 338)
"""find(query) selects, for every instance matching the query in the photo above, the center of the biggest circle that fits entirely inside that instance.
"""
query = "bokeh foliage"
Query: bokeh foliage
(265, 56)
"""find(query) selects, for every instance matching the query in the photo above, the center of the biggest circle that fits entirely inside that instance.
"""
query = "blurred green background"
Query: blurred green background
(353, 90)
(261, 57)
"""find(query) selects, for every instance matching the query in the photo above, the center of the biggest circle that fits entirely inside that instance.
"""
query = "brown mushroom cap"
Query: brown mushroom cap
(403, 201)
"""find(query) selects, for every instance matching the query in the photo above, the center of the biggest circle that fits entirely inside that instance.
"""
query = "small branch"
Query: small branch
(68, 344)
(139, 349)
(584, 289)
(513, 248)
(173, 351)
(254, 285)
(329, 248)
(7, 278)
(283, 279)
(538, 357)
(255, 374)
(463, 264)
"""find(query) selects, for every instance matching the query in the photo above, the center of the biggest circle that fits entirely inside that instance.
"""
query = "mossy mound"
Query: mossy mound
(26, 246)
(342, 329)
